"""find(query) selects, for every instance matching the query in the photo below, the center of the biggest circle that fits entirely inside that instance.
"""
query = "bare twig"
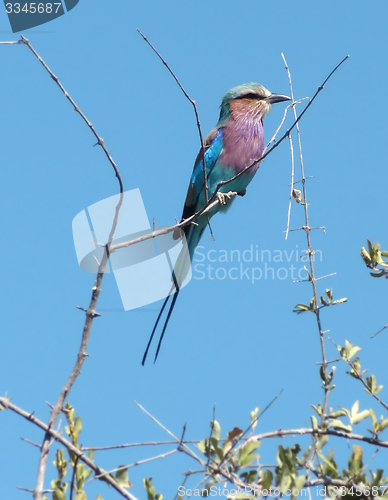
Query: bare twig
(374, 335)
(134, 464)
(292, 185)
(100, 140)
(132, 445)
(31, 442)
(183, 447)
(193, 103)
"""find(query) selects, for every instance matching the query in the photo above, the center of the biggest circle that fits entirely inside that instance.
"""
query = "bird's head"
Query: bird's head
(250, 96)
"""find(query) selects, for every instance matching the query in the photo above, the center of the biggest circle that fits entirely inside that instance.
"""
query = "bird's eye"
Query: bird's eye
(249, 96)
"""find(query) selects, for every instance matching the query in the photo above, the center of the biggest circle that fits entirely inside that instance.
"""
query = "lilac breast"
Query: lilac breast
(243, 141)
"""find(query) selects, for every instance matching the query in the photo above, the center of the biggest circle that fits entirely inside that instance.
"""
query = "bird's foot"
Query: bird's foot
(222, 197)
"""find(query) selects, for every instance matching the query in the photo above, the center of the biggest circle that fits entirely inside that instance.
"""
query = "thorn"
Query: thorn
(100, 141)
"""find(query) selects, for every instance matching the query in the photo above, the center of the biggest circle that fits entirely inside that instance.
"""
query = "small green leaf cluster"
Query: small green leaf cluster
(150, 489)
(230, 455)
(80, 472)
(325, 302)
(373, 259)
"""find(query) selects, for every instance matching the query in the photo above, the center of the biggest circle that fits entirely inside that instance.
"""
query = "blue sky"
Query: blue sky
(230, 343)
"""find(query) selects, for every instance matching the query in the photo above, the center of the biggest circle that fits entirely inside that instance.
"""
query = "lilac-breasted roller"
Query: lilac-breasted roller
(233, 145)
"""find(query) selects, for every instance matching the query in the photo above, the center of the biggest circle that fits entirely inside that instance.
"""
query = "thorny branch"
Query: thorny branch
(5, 404)
(307, 229)
(91, 311)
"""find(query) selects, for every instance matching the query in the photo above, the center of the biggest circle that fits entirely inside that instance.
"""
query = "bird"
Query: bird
(229, 149)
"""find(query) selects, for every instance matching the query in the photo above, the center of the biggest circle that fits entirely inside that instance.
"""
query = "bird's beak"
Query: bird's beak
(273, 98)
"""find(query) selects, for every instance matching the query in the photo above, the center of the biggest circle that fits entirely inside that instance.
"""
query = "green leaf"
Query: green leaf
(337, 414)
(299, 482)
(371, 383)
(77, 427)
(329, 294)
(149, 487)
(249, 477)
(376, 246)
(253, 414)
(339, 301)
(246, 455)
(348, 351)
(216, 429)
(266, 479)
(340, 426)
(203, 446)
(355, 461)
(81, 495)
(321, 442)
(355, 416)
(59, 495)
(285, 483)
(323, 301)
(330, 468)
(365, 256)
(122, 477)
(99, 497)
(302, 306)
(87, 473)
(379, 274)
(79, 473)
(317, 409)
(383, 424)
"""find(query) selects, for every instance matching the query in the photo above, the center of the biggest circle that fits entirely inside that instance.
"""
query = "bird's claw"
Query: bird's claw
(222, 197)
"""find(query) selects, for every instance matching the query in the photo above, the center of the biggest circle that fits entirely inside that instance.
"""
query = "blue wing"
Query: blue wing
(195, 200)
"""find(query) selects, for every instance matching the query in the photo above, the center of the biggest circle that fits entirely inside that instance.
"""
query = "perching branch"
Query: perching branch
(214, 198)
